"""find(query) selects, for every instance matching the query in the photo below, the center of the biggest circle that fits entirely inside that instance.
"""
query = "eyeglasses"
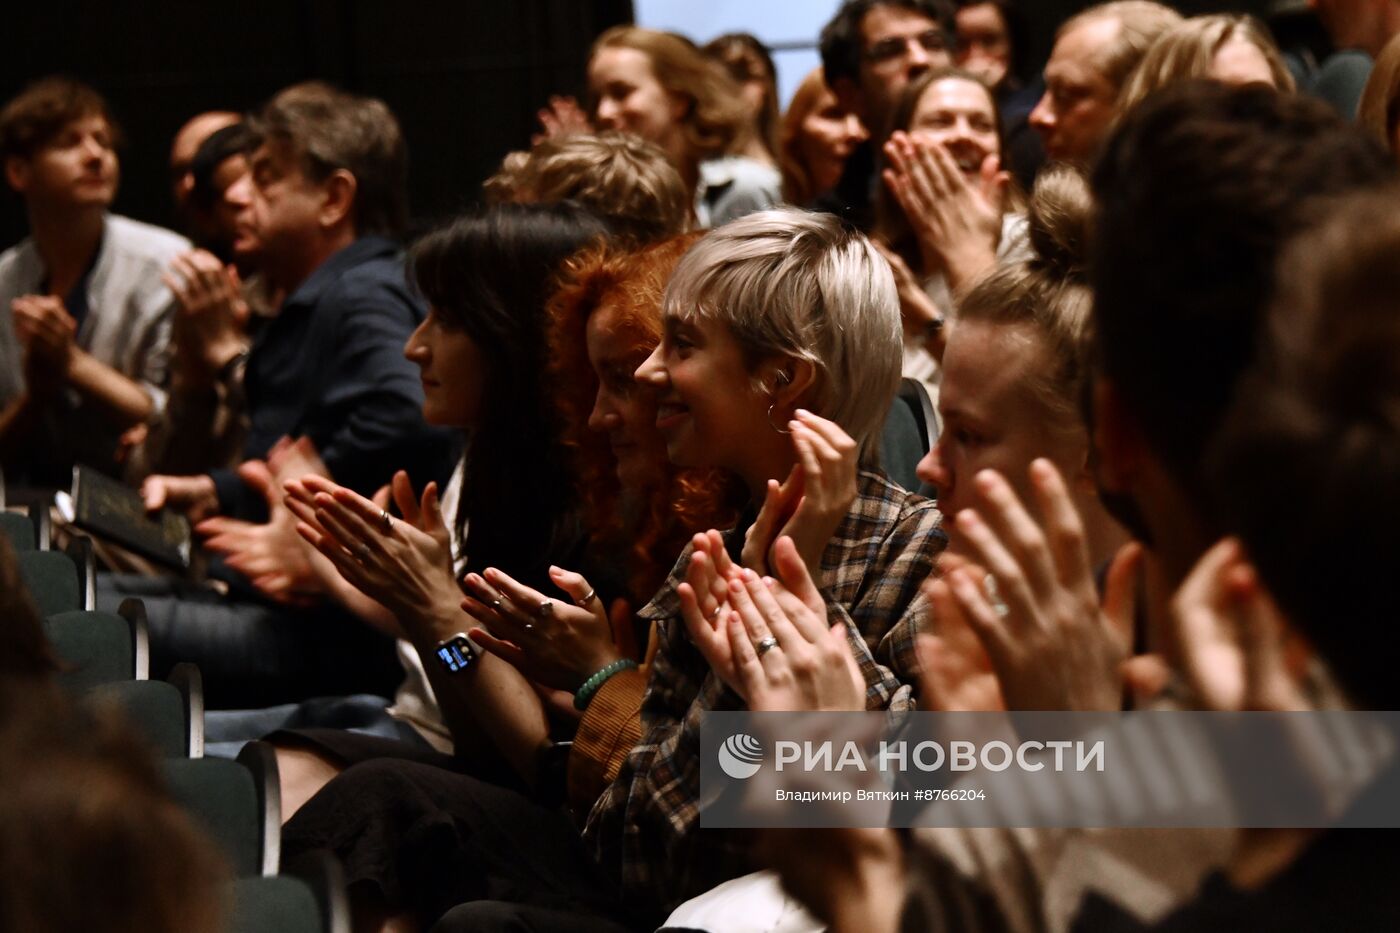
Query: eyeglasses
(932, 40)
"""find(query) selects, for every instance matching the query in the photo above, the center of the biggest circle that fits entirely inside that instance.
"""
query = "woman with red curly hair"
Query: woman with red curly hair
(604, 321)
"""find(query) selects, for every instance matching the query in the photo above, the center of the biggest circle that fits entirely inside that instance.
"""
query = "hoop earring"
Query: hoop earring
(770, 420)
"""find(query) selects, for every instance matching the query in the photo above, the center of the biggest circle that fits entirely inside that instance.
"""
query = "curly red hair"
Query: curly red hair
(687, 500)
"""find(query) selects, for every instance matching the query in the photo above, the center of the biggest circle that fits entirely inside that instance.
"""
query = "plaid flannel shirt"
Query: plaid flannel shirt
(644, 829)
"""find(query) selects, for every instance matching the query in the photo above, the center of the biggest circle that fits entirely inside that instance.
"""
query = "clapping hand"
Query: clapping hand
(1050, 641)
(561, 117)
(955, 672)
(780, 653)
(271, 555)
(212, 315)
(554, 642)
(47, 332)
(704, 595)
(958, 220)
(405, 564)
(1228, 638)
(809, 505)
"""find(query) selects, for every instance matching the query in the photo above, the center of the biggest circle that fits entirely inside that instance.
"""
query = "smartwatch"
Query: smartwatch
(457, 653)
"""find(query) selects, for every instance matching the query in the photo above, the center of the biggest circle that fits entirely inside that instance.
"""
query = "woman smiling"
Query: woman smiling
(779, 358)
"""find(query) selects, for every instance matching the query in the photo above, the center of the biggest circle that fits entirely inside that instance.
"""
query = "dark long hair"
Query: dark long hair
(490, 273)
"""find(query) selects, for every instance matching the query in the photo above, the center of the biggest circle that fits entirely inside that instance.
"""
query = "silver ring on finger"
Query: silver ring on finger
(989, 584)
(545, 609)
(766, 645)
(362, 553)
(586, 598)
(386, 521)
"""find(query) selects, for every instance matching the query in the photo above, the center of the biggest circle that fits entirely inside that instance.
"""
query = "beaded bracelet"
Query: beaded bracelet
(591, 685)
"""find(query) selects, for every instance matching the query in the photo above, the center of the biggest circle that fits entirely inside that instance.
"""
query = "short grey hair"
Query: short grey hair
(808, 286)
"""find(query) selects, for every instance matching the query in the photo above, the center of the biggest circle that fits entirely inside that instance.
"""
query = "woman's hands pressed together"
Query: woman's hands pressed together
(769, 640)
(953, 218)
(405, 564)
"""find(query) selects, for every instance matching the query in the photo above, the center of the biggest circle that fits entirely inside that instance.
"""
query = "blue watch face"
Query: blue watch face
(456, 655)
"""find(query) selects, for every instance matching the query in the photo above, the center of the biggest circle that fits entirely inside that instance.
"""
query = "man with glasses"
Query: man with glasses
(871, 50)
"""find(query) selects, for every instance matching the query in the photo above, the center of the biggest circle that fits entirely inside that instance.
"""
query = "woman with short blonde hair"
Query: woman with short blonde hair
(801, 289)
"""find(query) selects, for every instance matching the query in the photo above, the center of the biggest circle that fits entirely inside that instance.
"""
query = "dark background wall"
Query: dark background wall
(465, 78)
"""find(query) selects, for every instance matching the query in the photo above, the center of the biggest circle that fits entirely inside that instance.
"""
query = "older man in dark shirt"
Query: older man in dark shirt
(326, 185)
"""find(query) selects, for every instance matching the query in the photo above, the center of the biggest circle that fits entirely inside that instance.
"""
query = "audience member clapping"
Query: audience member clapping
(945, 212)
(480, 354)
(84, 315)
(329, 366)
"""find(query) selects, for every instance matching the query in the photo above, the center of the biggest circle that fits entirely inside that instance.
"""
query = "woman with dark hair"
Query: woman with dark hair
(751, 66)
(639, 507)
(509, 504)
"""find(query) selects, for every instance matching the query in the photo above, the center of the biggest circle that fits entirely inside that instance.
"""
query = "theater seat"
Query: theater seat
(19, 530)
(96, 648)
(308, 897)
(51, 580)
(274, 905)
(168, 713)
(237, 803)
(910, 430)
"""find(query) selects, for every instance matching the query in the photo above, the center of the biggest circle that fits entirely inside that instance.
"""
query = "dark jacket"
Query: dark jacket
(331, 367)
